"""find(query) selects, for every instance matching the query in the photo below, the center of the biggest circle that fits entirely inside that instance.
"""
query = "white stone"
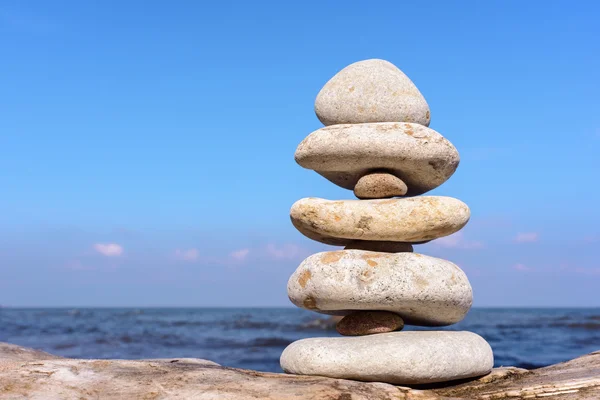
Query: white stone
(414, 219)
(419, 156)
(402, 358)
(423, 290)
(371, 91)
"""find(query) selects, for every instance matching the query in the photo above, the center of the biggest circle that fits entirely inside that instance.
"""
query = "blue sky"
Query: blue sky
(146, 147)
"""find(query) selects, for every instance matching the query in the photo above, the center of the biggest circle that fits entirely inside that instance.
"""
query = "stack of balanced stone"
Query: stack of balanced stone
(377, 143)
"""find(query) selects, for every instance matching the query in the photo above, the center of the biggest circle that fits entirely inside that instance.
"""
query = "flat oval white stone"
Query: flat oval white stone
(371, 91)
(415, 219)
(423, 290)
(421, 157)
(401, 358)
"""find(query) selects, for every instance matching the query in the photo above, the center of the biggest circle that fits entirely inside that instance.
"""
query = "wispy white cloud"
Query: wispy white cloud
(239, 255)
(572, 269)
(457, 241)
(187, 255)
(588, 271)
(522, 268)
(109, 249)
(288, 251)
(526, 237)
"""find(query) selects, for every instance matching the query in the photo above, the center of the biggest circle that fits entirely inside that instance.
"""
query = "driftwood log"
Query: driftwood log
(32, 374)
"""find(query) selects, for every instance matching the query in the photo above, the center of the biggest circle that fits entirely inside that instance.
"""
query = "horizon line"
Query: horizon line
(291, 307)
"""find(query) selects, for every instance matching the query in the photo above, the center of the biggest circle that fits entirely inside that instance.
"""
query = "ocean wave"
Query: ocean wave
(249, 362)
(585, 325)
(528, 365)
(586, 341)
(146, 338)
(579, 325)
(327, 324)
(269, 342)
(57, 329)
(519, 363)
(247, 344)
(532, 325)
(248, 324)
(65, 346)
(182, 323)
(224, 324)
(254, 339)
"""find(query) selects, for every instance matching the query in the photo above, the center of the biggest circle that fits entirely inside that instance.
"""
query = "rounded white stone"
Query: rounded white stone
(423, 290)
(402, 358)
(371, 91)
(419, 156)
(414, 219)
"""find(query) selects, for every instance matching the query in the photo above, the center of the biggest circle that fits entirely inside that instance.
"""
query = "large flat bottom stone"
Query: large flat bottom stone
(402, 358)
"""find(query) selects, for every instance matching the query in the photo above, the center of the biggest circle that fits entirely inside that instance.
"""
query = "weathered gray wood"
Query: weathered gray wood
(575, 379)
(30, 374)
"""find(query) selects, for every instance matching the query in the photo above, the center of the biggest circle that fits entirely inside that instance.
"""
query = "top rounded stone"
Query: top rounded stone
(371, 91)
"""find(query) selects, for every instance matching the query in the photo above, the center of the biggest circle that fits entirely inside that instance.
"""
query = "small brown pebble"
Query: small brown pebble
(379, 185)
(383, 247)
(361, 323)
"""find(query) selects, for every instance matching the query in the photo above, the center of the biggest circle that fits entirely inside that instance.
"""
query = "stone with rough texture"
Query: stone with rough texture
(371, 91)
(422, 290)
(12, 352)
(379, 185)
(403, 358)
(412, 220)
(362, 323)
(419, 156)
(44, 378)
(576, 379)
(180, 378)
(384, 247)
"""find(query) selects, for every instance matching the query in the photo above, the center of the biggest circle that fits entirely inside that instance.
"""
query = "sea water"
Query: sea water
(255, 338)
